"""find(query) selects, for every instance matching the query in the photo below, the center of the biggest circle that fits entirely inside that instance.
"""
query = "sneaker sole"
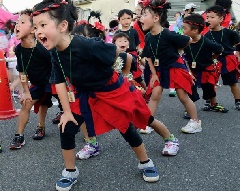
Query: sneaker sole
(192, 132)
(95, 154)
(38, 138)
(142, 131)
(67, 188)
(150, 179)
(166, 153)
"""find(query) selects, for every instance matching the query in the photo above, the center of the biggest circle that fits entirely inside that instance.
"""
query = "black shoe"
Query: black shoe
(56, 120)
(237, 105)
(17, 142)
(207, 107)
(219, 108)
(0, 148)
(186, 115)
(39, 133)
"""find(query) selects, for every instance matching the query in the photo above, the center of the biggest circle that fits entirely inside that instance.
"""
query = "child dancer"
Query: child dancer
(97, 31)
(104, 95)
(226, 5)
(199, 55)
(168, 68)
(125, 17)
(34, 65)
(229, 40)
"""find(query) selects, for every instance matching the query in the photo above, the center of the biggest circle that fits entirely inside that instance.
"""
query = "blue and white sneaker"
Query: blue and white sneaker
(67, 180)
(149, 171)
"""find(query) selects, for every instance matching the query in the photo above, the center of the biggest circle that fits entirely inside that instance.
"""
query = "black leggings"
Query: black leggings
(68, 137)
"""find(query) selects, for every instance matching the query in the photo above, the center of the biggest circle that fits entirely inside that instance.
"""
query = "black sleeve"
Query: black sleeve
(57, 76)
(145, 52)
(133, 65)
(235, 37)
(136, 36)
(104, 53)
(180, 41)
(18, 55)
(213, 46)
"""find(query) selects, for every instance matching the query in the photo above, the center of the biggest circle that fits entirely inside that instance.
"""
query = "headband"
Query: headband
(147, 3)
(193, 23)
(50, 7)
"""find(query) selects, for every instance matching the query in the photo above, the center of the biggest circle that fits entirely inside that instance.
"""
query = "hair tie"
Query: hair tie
(48, 8)
(192, 23)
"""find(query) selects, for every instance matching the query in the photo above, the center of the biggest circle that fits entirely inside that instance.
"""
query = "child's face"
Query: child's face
(188, 31)
(147, 20)
(47, 32)
(176, 16)
(214, 20)
(138, 11)
(23, 27)
(125, 20)
(122, 43)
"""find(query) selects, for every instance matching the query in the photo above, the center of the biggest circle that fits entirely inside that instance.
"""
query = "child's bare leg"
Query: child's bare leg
(160, 128)
(69, 158)
(140, 152)
(187, 103)
(154, 99)
(235, 91)
(42, 114)
(84, 131)
(24, 116)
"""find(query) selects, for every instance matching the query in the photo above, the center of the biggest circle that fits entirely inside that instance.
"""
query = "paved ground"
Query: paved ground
(208, 161)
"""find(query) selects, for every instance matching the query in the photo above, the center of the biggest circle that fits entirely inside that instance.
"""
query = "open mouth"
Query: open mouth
(122, 47)
(17, 31)
(43, 40)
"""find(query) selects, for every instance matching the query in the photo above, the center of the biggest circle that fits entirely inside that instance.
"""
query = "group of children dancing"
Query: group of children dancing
(100, 86)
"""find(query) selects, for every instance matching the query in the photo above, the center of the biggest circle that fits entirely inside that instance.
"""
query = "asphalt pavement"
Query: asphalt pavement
(207, 161)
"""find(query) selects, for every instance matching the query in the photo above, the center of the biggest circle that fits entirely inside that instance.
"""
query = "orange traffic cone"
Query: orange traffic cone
(6, 105)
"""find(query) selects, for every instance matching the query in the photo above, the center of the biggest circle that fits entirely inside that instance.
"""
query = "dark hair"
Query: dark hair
(125, 11)
(177, 13)
(82, 29)
(29, 13)
(58, 10)
(159, 7)
(195, 21)
(120, 35)
(226, 4)
(166, 24)
(113, 23)
(95, 14)
(9, 26)
(88, 30)
(217, 9)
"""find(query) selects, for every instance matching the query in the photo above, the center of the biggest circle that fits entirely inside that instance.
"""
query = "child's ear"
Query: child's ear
(156, 18)
(221, 19)
(63, 26)
(32, 30)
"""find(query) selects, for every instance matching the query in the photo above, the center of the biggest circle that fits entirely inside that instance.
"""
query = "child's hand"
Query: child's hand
(66, 117)
(153, 79)
(26, 97)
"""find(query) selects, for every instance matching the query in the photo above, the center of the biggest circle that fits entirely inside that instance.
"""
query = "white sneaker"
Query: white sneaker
(88, 151)
(192, 127)
(148, 130)
(171, 147)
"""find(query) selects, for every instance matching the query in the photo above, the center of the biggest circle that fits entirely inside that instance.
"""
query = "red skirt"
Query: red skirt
(211, 75)
(177, 78)
(118, 108)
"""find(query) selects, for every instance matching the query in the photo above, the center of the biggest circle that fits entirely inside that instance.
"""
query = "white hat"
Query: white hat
(190, 6)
